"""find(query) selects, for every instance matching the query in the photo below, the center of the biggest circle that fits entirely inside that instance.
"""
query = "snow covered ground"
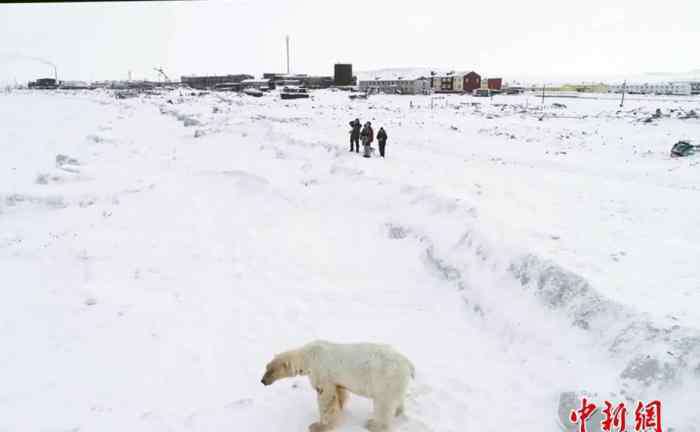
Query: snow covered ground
(156, 252)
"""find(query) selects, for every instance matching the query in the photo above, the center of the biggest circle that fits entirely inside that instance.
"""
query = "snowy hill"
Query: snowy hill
(158, 251)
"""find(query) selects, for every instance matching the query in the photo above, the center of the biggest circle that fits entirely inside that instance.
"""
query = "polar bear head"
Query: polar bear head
(284, 365)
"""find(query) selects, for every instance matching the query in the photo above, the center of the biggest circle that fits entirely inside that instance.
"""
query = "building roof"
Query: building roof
(402, 79)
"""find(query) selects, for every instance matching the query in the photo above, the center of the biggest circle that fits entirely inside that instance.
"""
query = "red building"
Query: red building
(472, 81)
(494, 83)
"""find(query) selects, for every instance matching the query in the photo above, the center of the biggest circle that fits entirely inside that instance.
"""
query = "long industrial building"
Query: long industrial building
(676, 88)
(207, 82)
(396, 86)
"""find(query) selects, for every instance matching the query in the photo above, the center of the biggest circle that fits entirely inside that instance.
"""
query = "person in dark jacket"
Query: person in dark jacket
(381, 139)
(367, 135)
(355, 135)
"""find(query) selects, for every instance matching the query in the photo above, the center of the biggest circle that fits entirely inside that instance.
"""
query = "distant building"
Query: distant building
(585, 88)
(75, 85)
(260, 84)
(514, 90)
(472, 81)
(342, 74)
(141, 85)
(43, 83)
(494, 83)
(677, 88)
(122, 85)
(397, 86)
(207, 82)
(449, 83)
(281, 76)
(283, 79)
(317, 82)
(455, 82)
(228, 86)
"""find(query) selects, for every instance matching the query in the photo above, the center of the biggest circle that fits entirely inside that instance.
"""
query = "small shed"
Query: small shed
(494, 83)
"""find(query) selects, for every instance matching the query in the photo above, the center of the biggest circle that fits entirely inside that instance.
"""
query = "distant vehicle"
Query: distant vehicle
(228, 86)
(481, 92)
(683, 149)
(262, 84)
(350, 88)
(294, 93)
(288, 82)
(126, 94)
(250, 91)
(354, 96)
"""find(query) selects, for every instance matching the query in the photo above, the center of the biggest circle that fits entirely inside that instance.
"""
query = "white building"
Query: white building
(676, 88)
(396, 86)
(681, 88)
(450, 83)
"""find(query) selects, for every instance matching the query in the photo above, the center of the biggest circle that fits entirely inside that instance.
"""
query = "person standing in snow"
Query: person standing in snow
(355, 135)
(367, 135)
(381, 139)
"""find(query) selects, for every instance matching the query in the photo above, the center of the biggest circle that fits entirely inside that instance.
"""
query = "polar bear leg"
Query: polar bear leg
(343, 396)
(399, 409)
(384, 411)
(328, 408)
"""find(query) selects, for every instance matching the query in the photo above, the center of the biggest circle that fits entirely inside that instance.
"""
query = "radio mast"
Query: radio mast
(287, 38)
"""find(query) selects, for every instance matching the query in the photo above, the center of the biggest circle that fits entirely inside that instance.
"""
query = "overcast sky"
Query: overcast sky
(498, 38)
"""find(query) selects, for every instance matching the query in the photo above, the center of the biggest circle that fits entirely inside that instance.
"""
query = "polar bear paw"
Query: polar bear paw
(319, 427)
(373, 425)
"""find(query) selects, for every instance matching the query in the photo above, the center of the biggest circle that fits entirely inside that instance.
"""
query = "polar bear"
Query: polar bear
(371, 370)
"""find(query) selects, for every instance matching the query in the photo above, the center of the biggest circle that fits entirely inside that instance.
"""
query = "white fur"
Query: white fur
(371, 370)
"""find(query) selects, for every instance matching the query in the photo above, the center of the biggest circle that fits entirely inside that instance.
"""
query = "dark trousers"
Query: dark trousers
(381, 148)
(355, 144)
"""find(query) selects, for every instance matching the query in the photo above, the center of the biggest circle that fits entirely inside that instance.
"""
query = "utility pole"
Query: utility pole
(287, 54)
(543, 87)
(624, 88)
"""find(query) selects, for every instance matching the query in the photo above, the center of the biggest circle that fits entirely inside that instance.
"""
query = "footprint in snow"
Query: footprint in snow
(240, 403)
